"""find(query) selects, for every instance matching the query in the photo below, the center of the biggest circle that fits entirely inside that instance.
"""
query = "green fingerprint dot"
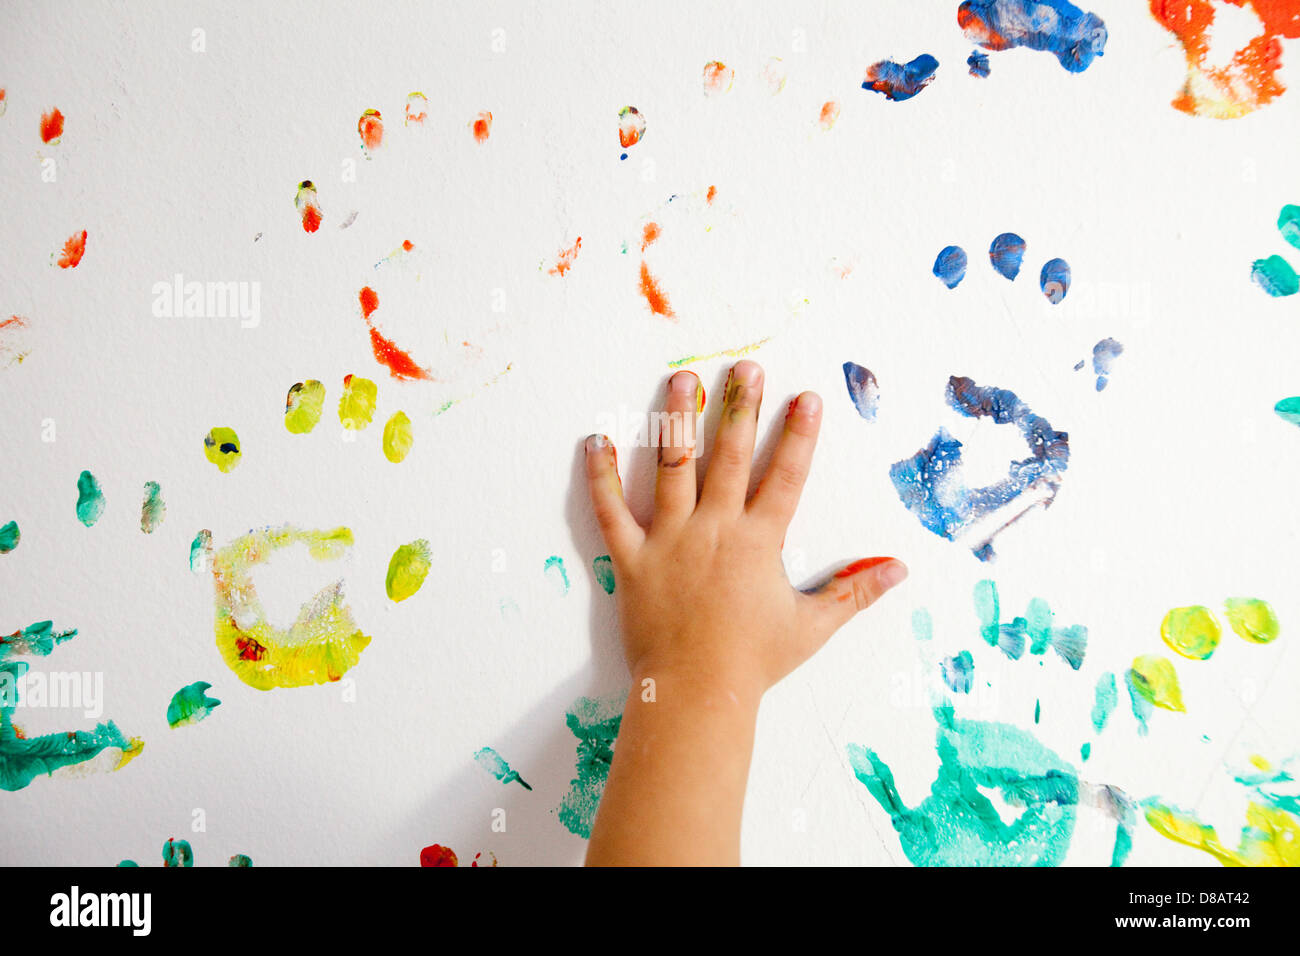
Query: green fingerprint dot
(221, 446)
(1191, 631)
(1252, 619)
(90, 499)
(303, 406)
(1275, 276)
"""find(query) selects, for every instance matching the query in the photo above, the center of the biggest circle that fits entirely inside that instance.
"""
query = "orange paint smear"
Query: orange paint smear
(369, 301)
(829, 114)
(16, 321)
(650, 234)
(1249, 81)
(371, 129)
(73, 250)
(407, 245)
(400, 365)
(51, 126)
(654, 296)
(310, 218)
(482, 126)
(711, 195)
(565, 261)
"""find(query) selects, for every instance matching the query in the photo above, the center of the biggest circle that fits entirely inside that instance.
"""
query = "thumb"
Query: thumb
(853, 588)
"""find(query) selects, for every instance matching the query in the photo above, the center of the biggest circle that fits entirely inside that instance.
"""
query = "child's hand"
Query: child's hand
(702, 594)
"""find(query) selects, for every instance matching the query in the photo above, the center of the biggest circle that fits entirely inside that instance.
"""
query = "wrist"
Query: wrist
(698, 687)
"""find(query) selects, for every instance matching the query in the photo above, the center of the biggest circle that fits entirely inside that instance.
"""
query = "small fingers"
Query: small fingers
(675, 477)
(727, 480)
(621, 532)
(778, 494)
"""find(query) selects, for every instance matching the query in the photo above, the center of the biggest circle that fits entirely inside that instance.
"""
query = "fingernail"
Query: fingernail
(683, 383)
(742, 377)
(893, 574)
(596, 443)
(807, 403)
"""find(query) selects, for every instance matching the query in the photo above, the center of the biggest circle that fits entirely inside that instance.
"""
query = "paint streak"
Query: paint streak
(654, 295)
(407, 569)
(491, 761)
(718, 78)
(930, 482)
(900, 81)
(1250, 79)
(1054, 280)
(555, 571)
(1142, 707)
(650, 235)
(959, 825)
(1275, 276)
(724, 353)
(221, 447)
(357, 405)
(830, 112)
(922, 625)
(1191, 631)
(959, 672)
(190, 704)
(1007, 252)
(978, 64)
(51, 126)
(1288, 409)
(1035, 630)
(73, 250)
(1252, 620)
(603, 567)
(400, 365)
(1154, 678)
(22, 758)
(1106, 699)
(417, 109)
(308, 206)
(201, 552)
(370, 127)
(1271, 836)
(595, 722)
(322, 644)
(631, 126)
(153, 509)
(950, 266)
(177, 853)
(303, 406)
(1104, 354)
(481, 127)
(564, 261)
(90, 499)
(398, 438)
(9, 536)
(864, 391)
(436, 855)
(1058, 27)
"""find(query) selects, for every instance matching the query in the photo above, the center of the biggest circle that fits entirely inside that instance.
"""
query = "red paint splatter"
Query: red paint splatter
(1249, 81)
(249, 649)
(20, 322)
(649, 234)
(310, 219)
(307, 206)
(371, 129)
(436, 855)
(474, 862)
(482, 126)
(51, 126)
(73, 250)
(654, 296)
(407, 245)
(711, 195)
(369, 301)
(565, 261)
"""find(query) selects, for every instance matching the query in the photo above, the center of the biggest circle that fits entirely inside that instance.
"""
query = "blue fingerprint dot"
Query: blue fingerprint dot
(624, 156)
(1006, 253)
(950, 266)
(1054, 280)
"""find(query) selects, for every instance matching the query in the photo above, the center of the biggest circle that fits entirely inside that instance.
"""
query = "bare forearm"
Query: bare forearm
(676, 787)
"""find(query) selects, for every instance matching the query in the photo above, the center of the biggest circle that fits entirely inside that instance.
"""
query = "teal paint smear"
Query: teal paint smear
(241, 861)
(957, 825)
(1034, 630)
(958, 672)
(1142, 707)
(1106, 700)
(177, 853)
(922, 624)
(36, 640)
(1038, 710)
(90, 499)
(595, 722)
(190, 704)
(1288, 223)
(152, 510)
(554, 569)
(129, 863)
(491, 761)
(1288, 410)
(201, 552)
(9, 537)
(603, 567)
(1085, 751)
(1275, 276)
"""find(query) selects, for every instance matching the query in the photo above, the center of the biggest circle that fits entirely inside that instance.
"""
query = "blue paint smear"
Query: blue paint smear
(1104, 354)
(950, 266)
(901, 81)
(1074, 37)
(1006, 253)
(1035, 630)
(863, 390)
(930, 484)
(978, 63)
(959, 672)
(1054, 280)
